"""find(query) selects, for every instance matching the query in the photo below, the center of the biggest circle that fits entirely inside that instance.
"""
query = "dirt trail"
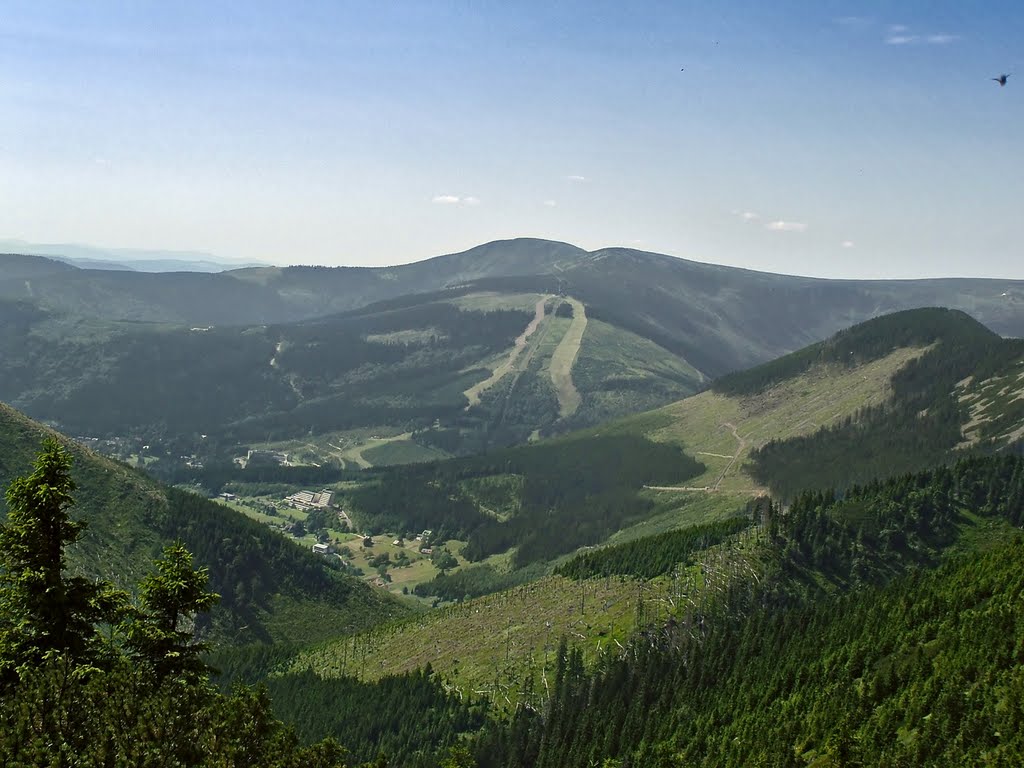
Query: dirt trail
(703, 489)
(563, 358)
(739, 449)
(741, 446)
(473, 393)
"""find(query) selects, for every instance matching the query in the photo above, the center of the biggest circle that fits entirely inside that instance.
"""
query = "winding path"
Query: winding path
(739, 449)
(741, 446)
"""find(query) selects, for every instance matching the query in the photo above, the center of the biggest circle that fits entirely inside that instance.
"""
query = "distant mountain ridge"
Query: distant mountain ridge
(125, 259)
(648, 330)
(662, 293)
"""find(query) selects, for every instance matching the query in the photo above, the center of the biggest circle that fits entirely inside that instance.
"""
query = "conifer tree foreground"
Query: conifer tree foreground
(135, 696)
(42, 610)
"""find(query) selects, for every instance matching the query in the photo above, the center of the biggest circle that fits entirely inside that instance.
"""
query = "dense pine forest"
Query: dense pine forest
(847, 652)
(593, 484)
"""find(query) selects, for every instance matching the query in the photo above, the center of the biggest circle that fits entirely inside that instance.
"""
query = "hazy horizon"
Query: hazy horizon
(834, 139)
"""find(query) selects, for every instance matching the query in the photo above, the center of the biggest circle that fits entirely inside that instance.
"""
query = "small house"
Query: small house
(320, 549)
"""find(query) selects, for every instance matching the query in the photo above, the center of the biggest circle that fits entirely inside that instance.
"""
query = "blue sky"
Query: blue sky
(840, 139)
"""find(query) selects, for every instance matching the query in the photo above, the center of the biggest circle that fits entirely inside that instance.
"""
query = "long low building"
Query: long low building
(311, 499)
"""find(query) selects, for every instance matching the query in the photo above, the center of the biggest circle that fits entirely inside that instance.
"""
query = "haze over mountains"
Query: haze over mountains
(124, 259)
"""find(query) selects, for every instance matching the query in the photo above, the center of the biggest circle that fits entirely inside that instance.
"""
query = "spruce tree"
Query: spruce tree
(42, 610)
(160, 633)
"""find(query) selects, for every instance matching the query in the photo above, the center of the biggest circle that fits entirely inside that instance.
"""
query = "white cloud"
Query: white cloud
(550, 203)
(750, 216)
(900, 34)
(455, 200)
(847, 243)
(576, 178)
(786, 226)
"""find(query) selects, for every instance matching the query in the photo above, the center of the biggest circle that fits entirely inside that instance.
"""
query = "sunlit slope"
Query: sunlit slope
(721, 430)
(891, 395)
(936, 413)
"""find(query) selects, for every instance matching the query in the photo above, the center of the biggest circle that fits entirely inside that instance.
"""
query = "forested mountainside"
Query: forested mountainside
(453, 373)
(881, 626)
(92, 675)
(904, 665)
(270, 588)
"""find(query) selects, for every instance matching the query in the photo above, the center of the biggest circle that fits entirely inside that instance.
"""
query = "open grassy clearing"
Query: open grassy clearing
(563, 358)
(357, 448)
(682, 510)
(608, 351)
(508, 364)
(618, 372)
(504, 645)
(498, 640)
(408, 336)
(419, 568)
(342, 445)
(721, 430)
(400, 450)
(488, 301)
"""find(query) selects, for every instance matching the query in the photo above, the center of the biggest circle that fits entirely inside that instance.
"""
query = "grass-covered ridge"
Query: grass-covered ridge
(860, 344)
(894, 394)
(922, 424)
(722, 430)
